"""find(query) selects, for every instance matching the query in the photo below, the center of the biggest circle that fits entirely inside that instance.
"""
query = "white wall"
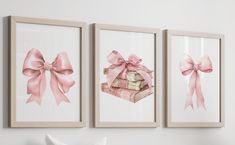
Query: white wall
(217, 16)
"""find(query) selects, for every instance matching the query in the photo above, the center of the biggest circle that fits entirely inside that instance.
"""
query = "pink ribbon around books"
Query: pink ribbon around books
(187, 67)
(119, 67)
(35, 66)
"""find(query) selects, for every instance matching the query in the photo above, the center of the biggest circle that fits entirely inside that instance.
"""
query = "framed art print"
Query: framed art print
(194, 79)
(126, 76)
(46, 58)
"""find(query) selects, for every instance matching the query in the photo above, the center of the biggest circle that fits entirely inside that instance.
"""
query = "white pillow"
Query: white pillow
(52, 141)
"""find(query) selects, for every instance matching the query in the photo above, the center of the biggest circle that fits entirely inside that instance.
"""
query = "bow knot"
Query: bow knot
(195, 67)
(35, 66)
(47, 66)
(189, 67)
(134, 60)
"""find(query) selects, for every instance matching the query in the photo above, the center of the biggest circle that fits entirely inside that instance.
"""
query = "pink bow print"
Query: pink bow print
(187, 67)
(35, 66)
(119, 67)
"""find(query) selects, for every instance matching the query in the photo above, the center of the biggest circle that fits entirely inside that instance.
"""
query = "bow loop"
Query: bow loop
(187, 65)
(205, 65)
(33, 63)
(62, 64)
(115, 58)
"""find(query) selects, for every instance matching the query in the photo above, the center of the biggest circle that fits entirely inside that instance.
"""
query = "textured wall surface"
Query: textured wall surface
(216, 16)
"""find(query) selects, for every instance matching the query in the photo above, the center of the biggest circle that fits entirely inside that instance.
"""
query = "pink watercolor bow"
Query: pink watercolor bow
(119, 67)
(187, 67)
(35, 66)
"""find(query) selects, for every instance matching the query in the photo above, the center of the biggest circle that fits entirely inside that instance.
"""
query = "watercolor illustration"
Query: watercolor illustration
(189, 67)
(127, 79)
(35, 67)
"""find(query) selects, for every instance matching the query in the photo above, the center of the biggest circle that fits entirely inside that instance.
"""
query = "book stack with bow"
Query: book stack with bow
(129, 79)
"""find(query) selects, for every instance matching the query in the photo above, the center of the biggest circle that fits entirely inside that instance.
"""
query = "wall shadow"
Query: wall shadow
(6, 75)
(91, 76)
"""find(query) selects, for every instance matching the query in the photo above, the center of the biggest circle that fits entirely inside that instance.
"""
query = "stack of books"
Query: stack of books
(129, 85)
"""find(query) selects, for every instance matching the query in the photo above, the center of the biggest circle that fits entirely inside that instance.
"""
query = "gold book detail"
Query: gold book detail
(126, 84)
(130, 75)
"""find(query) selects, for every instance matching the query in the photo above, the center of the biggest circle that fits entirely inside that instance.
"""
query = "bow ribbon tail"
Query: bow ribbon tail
(195, 85)
(36, 86)
(200, 97)
(59, 95)
(113, 73)
(191, 85)
(59, 86)
(147, 78)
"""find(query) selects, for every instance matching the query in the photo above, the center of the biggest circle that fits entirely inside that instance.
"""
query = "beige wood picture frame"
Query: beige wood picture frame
(13, 20)
(97, 28)
(168, 57)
